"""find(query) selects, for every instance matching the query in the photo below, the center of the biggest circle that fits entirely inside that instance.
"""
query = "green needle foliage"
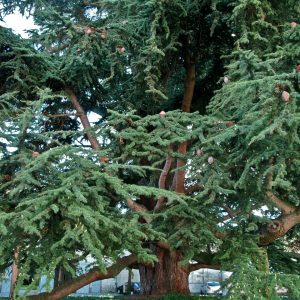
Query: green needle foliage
(62, 202)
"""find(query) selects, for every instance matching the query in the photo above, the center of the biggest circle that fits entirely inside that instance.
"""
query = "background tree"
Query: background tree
(178, 190)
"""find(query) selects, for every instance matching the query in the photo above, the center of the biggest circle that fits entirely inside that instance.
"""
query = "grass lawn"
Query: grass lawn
(136, 297)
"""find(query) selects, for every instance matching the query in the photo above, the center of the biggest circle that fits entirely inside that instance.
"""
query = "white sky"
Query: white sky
(18, 23)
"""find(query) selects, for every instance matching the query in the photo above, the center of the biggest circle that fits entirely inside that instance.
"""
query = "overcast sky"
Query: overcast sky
(18, 23)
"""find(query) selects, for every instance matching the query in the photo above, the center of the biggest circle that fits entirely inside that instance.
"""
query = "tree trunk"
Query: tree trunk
(167, 276)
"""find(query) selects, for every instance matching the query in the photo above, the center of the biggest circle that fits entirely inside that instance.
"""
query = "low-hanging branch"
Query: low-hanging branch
(93, 275)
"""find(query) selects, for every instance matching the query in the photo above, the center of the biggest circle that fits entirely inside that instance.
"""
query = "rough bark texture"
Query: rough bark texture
(166, 276)
(279, 227)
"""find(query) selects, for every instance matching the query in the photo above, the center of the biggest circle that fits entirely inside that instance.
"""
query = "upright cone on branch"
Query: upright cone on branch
(285, 96)
(210, 160)
(162, 114)
(103, 159)
(199, 152)
(103, 35)
(120, 49)
(229, 123)
(89, 30)
(35, 154)
(293, 24)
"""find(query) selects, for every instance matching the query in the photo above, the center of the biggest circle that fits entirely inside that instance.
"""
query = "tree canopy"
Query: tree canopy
(193, 160)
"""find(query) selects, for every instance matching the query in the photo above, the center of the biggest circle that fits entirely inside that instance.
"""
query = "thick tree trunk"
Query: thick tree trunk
(167, 276)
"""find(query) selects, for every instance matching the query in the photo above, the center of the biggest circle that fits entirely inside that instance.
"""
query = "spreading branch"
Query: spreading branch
(279, 227)
(285, 207)
(93, 275)
(83, 118)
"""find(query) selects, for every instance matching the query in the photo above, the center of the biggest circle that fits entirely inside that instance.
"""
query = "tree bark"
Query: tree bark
(189, 87)
(163, 178)
(93, 275)
(279, 227)
(166, 276)
(83, 118)
(14, 273)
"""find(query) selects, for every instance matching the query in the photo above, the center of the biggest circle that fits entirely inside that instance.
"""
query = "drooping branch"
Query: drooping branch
(270, 232)
(93, 275)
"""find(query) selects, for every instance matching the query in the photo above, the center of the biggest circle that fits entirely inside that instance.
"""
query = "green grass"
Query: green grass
(166, 297)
